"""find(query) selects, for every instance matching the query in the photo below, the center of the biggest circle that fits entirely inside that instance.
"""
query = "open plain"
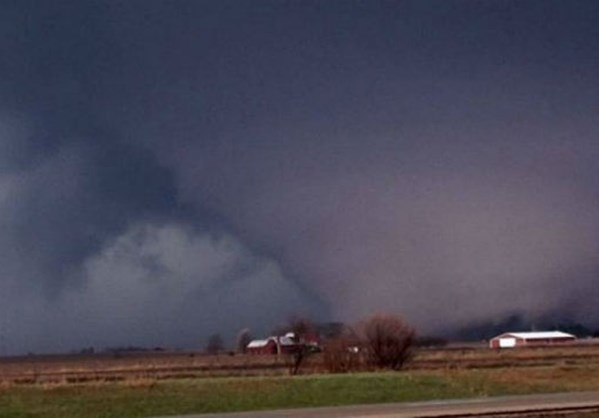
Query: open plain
(162, 365)
(163, 383)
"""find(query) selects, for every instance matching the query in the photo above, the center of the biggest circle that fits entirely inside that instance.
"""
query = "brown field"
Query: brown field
(146, 365)
(483, 357)
(166, 365)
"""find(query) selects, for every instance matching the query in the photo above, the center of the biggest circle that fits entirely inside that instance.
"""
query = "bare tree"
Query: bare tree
(243, 339)
(303, 331)
(215, 344)
(388, 341)
(342, 352)
(301, 327)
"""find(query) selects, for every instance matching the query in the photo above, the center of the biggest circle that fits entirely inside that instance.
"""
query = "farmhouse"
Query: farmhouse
(520, 339)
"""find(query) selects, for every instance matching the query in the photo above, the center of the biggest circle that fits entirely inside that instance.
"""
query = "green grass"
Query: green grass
(147, 398)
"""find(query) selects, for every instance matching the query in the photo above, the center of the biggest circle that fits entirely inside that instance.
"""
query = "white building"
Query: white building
(535, 338)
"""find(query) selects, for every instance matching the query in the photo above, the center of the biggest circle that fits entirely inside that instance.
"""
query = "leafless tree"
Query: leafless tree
(243, 339)
(342, 353)
(388, 341)
(303, 329)
(215, 344)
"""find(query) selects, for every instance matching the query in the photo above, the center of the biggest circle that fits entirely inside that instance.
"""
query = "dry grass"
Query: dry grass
(147, 397)
(487, 358)
(146, 367)
(150, 395)
(78, 368)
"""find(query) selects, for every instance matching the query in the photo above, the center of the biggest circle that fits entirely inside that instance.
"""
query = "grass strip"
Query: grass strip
(172, 397)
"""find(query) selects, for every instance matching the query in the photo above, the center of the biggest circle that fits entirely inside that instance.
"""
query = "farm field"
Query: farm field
(176, 365)
(152, 384)
(143, 398)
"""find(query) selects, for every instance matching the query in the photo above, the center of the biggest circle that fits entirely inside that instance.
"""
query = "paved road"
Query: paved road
(455, 408)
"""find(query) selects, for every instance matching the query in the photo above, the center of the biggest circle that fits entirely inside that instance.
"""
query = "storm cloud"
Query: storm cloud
(173, 169)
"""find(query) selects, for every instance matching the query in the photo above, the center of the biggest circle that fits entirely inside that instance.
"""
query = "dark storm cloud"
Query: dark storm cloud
(437, 159)
(77, 180)
(418, 151)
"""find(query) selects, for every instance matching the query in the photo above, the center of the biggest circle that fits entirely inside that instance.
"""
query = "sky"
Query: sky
(173, 169)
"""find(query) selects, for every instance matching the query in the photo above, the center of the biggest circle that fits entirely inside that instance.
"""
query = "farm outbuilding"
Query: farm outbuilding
(268, 346)
(273, 345)
(534, 338)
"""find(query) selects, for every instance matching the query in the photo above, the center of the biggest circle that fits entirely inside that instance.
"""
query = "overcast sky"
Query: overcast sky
(171, 169)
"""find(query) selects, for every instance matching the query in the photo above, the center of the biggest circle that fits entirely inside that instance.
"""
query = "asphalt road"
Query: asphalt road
(455, 408)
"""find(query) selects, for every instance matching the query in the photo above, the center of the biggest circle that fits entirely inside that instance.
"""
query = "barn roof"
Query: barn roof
(258, 343)
(286, 340)
(538, 335)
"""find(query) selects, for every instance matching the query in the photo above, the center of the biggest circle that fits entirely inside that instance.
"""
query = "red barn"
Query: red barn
(273, 345)
(268, 346)
(521, 339)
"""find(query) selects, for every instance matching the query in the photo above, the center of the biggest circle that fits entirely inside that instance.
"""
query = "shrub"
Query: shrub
(388, 341)
(342, 354)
